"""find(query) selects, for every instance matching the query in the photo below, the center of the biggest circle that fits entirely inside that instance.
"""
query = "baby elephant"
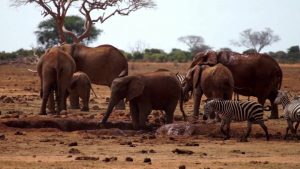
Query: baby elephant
(145, 92)
(80, 88)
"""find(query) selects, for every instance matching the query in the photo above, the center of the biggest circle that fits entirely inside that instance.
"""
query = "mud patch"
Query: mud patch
(65, 124)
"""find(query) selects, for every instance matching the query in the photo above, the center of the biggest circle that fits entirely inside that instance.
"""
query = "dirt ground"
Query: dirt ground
(72, 140)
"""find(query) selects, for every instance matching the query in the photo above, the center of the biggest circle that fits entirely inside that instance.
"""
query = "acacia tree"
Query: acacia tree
(92, 10)
(256, 40)
(47, 31)
(195, 43)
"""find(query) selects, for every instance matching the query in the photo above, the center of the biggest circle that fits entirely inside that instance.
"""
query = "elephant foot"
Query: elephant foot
(75, 107)
(86, 109)
(42, 113)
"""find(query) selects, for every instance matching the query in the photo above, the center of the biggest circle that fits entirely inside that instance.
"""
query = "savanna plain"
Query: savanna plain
(72, 140)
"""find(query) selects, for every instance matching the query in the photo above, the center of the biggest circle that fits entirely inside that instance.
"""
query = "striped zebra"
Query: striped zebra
(291, 110)
(239, 111)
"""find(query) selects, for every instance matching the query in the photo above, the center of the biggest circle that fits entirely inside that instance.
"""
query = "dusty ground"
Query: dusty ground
(62, 145)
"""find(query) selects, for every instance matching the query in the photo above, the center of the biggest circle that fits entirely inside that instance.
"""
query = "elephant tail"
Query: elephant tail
(93, 91)
(124, 72)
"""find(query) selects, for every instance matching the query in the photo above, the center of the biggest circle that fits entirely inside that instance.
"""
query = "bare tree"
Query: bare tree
(195, 43)
(256, 40)
(92, 10)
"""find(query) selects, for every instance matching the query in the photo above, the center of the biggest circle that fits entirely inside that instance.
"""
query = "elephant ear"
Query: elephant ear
(196, 76)
(212, 58)
(135, 88)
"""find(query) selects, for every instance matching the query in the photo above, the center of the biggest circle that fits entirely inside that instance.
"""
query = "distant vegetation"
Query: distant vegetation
(292, 55)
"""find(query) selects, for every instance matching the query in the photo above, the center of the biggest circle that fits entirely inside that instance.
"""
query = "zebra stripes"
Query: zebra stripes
(180, 77)
(291, 110)
(229, 110)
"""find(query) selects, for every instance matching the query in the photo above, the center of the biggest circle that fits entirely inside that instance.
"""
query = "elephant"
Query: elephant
(254, 74)
(80, 88)
(55, 69)
(158, 90)
(102, 64)
(214, 82)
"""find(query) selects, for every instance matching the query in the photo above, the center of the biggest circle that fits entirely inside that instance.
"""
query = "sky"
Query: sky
(217, 21)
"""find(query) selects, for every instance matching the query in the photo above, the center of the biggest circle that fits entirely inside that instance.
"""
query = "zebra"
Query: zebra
(291, 110)
(239, 111)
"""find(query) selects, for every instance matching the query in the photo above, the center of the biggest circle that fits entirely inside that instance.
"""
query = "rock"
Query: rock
(129, 159)
(191, 144)
(147, 160)
(19, 133)
(180, 151)
(2, 136)
(110, 159)
(74, 151)
(182, 167)
(96, 107)
(87, 158)
(73, 144)
(8, 100)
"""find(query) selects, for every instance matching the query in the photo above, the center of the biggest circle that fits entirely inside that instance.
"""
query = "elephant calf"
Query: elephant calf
(80, 88)
(215, 82)
(145, 92)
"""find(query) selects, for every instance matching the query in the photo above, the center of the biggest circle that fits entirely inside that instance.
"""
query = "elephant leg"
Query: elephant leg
(74, 100)
(134, 113)
(85, 100)
(120, 105)
(169, 110)
(46, 92)
(197, 99)
(144, 110)
(51, 103)
(274, 107)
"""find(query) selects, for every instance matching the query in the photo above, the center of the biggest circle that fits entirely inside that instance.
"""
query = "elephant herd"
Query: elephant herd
(69, 70)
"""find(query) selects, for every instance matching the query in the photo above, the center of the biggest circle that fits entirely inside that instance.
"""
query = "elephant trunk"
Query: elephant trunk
(181, 100)
(113, 101)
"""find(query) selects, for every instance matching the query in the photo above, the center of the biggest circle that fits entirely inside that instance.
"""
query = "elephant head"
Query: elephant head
(205, 58)
(128, 87)
(192, 80)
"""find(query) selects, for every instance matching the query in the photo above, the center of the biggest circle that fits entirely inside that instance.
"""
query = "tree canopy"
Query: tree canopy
(47, 33)
(92, 10)
(256, 40)
(195, 43)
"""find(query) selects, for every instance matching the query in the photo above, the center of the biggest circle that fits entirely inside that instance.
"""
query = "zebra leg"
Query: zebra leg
(262, 125)
(286, 133)
(290, 125)
(222, 129)
(296, 128)
(249, 128)
(228, 130)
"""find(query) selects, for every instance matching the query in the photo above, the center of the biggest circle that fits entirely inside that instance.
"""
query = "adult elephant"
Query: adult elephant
(254, 74)
(102, 64)
(159, 90)
(214, 82)
(55, 69)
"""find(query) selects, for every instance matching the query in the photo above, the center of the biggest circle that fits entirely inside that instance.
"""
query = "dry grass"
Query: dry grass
(48, 148)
